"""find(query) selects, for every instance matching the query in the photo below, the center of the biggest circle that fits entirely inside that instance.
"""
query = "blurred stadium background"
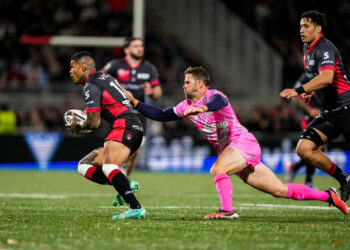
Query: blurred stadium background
(251, 48)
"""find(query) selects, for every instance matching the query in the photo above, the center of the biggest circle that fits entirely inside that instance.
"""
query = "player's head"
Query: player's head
(134, 48)
(81, 65)
(312, 24)
(197, 81)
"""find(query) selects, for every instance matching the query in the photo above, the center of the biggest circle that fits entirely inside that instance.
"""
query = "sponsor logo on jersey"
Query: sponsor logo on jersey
(143, 76)
(87, 95)
(328, 62)
(129, 136)
(325, 55)
(123, 75)
(312, 62)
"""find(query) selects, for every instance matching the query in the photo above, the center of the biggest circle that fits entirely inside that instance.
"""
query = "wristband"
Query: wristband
(205, 108)
(300, 90)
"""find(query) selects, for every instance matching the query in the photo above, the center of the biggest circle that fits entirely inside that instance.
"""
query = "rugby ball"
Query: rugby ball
(80, 116)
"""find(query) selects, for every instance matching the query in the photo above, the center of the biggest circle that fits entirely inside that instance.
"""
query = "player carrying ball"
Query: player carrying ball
(105, 98)
(211, 112)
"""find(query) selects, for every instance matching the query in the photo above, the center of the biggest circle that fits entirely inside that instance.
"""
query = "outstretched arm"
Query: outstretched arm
(152, 112)
(156, 113)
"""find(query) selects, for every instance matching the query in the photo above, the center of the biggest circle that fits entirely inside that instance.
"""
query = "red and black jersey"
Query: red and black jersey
(323, 55)
(133, 78)
(102, 93)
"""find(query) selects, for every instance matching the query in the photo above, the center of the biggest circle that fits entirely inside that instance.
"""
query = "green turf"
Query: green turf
(73, 213)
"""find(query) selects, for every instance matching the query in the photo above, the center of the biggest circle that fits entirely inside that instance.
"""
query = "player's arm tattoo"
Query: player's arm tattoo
(93, 120)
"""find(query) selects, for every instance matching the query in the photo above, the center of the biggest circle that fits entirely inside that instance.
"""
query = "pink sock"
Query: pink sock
(224, 188)
(302, 192)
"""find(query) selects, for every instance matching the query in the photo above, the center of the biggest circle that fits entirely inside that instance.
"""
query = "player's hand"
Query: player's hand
(193, 111)
(147, 88)
(307, 96)
(73, 127)
(288, 93)
(129, 96)
(313, 112)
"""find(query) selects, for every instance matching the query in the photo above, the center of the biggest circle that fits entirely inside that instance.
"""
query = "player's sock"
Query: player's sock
(310, 170)
(296, 166)
(302, 192)
(121, 184)
(338, 174)
(224, 188)
(93, 173)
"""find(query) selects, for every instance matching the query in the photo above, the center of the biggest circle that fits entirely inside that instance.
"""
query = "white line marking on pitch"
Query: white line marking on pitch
(33, 196)
(239, 206)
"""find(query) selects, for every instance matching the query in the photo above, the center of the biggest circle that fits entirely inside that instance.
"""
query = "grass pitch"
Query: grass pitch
(62, 210)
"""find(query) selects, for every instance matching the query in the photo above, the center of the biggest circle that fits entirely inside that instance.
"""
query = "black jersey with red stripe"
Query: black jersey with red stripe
(102, 93)
(133, 78)
(323, 55)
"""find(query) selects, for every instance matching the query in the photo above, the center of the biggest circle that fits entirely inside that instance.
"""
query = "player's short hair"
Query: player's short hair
(77, 56)
(315, 17)
(84, 57)
(128, 40)
(199, 73)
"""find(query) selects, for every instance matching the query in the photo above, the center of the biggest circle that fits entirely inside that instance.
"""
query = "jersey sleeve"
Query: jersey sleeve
(110, 68)
(180, 108)
(326, 59)
(92, 98)
(154, 79)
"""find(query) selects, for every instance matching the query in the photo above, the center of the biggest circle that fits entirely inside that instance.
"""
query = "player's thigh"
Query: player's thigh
(95, 158)
(115, 153)
(230, 161)
(263, 179)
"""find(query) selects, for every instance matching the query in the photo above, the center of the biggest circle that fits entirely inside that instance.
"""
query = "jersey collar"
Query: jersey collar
(133, 67)
(92, 72)
(314, 45)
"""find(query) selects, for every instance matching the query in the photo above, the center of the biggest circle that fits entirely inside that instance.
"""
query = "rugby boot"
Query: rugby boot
(221, 214)
(131, 214)
(335, 201)
(119, 201)
(345, 190)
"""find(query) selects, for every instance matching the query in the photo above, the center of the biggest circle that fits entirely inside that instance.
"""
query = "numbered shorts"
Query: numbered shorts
(248, 145)
(127, 131)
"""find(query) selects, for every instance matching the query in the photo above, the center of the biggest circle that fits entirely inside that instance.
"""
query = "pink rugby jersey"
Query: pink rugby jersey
(218, 127)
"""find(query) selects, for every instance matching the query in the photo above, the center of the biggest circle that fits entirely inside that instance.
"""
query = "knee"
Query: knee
(83, 168)
(303, 151)
(216, 170)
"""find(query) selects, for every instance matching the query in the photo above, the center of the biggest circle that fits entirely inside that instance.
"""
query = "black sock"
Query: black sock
(298, 165)
(310, 170)
(95, 174)
(338, 174)
(121, 184)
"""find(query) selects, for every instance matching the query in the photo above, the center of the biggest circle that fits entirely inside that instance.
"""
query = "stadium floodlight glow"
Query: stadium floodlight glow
(81, 41)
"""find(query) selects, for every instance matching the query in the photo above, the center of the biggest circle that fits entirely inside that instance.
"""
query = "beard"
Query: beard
(188, 95)
(136, 57)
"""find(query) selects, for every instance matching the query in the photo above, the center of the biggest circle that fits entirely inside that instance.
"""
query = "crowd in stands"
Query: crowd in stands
(32, 67)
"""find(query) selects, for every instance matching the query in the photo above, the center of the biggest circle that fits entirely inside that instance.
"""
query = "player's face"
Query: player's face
(76, 72)
(190, 86)
(136, 49)
(309, 32)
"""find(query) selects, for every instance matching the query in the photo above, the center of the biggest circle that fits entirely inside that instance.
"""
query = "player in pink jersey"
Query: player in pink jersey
(211, 112)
